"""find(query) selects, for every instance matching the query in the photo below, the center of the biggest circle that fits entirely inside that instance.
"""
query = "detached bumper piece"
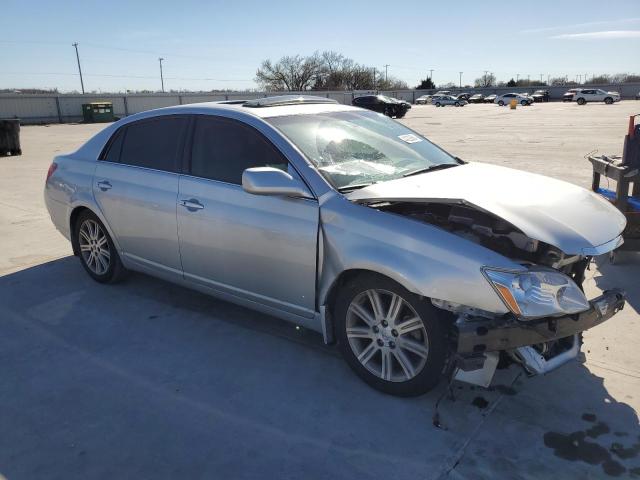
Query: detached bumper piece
(539, 346)
(480, 335)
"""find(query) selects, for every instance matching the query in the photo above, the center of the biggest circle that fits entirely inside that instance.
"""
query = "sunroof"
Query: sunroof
(287, 100)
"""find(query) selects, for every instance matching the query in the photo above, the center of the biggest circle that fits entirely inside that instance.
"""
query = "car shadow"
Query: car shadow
(148, 379)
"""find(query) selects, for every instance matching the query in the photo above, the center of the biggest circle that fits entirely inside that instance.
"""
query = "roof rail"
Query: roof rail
(281, 100)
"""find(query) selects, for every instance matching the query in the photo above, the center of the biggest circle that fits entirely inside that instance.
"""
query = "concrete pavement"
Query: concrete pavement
(148, 380)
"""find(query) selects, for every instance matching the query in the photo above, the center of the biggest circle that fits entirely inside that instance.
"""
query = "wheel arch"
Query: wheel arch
(76, 210)
(328, 300)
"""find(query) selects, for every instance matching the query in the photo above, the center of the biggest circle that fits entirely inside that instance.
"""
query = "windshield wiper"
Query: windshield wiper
(440, 166)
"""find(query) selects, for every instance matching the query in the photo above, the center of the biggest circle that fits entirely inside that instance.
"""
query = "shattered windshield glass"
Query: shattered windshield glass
(356, 148)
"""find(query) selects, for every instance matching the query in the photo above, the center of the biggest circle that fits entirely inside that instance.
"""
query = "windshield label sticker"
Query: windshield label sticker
(410, 138)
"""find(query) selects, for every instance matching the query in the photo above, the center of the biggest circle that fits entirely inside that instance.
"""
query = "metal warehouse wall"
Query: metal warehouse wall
(67, 108)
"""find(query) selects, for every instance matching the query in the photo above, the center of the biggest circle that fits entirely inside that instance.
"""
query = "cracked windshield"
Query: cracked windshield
(356, 149)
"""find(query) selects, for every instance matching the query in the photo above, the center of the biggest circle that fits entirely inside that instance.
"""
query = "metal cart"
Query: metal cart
(625, 171)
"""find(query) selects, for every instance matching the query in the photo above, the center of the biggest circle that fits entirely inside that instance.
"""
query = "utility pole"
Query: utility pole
(374, 78)
(517, 78)
(79, 69)
(541, 75)
(548, 78)
(461, 79)
(485, 78)
(386, 73)
(161, 77)
(431, 76)
(528, 80)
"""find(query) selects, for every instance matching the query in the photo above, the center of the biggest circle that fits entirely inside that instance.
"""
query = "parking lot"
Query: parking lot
(148, 380)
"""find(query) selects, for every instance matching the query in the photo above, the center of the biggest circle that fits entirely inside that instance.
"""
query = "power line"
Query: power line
(130, 76)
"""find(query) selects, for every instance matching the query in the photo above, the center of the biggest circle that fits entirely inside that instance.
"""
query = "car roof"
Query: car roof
(266, 111)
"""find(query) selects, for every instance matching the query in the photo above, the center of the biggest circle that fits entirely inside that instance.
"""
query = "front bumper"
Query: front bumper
(481, 335)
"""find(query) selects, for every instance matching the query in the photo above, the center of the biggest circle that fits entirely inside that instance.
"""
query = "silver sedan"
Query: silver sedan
(417, 264)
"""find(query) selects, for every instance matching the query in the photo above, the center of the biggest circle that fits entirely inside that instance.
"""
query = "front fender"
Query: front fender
(426, 260)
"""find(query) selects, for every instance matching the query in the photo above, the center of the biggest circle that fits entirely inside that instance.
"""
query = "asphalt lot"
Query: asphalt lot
(148, 380)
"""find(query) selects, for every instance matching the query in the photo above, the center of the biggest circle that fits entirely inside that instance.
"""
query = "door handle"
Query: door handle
(192, 204)
(104, 185)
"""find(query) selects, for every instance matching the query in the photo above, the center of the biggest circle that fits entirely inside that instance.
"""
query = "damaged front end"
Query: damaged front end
(547, 309)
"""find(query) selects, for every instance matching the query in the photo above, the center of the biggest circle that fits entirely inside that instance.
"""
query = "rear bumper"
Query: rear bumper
(481, 335)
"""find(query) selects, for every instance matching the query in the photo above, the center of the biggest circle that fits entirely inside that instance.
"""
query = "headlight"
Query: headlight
(537, 292)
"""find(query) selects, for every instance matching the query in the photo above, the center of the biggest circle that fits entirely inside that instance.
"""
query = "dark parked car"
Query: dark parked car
(568, 96)
(476, 98)
(382, 104)
(490, 98)
(463, 96)
(541, 96)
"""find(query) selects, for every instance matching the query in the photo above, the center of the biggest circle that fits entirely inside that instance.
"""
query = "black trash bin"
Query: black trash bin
(10, 137)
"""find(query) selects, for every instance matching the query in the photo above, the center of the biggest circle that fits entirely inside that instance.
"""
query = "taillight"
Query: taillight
(52, 168)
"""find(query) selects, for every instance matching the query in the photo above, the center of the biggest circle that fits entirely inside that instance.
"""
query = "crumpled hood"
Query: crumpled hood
(571, 218)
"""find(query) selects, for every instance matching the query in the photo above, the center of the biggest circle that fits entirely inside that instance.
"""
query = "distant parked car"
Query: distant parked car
(568, 95)
(443, 92)
(423, 100)
(505, 99)
(490, 98)
(596, 95)
(382, 104)
(463, 96)
(442, 100)
(408, 104)
(477, 98)
(540, 96)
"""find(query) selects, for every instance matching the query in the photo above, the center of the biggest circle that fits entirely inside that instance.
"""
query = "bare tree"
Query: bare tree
(290, 73)
(487, 80)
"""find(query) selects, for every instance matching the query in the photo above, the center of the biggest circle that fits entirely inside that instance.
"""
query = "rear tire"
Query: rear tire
(437, 104)
(97, 253)
(501, 103)
(581, 101)
(524, 103)
(398, 347)
(457, 104)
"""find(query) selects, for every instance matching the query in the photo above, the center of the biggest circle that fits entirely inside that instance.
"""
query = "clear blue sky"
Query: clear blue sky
(213, 44)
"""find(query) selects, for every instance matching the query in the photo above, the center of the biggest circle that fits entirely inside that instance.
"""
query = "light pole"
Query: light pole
(161, 77)
(517, 78)
(461, 79)
(431, 76)
(386, 73)
(79, 69)
(485, 78)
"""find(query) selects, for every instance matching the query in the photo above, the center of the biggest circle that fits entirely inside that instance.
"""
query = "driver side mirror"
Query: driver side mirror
(273, 181)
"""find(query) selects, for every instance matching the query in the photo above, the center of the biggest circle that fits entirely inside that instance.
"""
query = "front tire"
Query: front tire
(501, 103)
(393, 339)
(437, 104)
(97, 252)
(524, 103)
(608, 100)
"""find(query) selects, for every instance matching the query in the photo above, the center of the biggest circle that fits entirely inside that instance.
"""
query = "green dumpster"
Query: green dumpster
(97, 112)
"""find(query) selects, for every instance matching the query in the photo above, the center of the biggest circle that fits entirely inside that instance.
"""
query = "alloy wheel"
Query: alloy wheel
(94, 247)
(386, 335)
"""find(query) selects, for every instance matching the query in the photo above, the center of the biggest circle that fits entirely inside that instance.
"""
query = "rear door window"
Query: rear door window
(154, 143)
